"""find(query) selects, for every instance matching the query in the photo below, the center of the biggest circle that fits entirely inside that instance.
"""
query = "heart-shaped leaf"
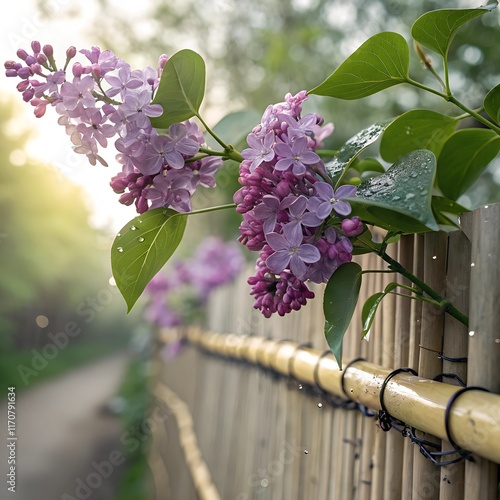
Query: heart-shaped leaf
(141, 249)
(437, 28)
(492, 103)
(416, 129)
(381, 62)
(371, 305)
(465, 155)
(337, 167)
(400, 199)
(339, 302)
(181, 89)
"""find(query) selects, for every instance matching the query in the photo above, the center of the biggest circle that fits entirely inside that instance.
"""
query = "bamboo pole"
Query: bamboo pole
(455, 342)
(414, 400)
(481, 477)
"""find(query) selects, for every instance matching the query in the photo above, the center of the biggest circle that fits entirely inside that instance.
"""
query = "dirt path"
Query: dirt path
(63, 436)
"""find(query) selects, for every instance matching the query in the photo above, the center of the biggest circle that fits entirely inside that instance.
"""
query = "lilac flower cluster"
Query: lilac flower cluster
(174, 298)
(291, 213)
(104, 98)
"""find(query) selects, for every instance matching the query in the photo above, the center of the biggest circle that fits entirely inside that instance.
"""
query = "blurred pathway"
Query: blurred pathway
(62, 429)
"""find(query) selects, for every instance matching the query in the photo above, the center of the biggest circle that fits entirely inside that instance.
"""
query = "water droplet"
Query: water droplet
(164, 212)
(414, 175)
(133, 228)
(472, 264)
(119, 234)
(423, 192)
(486, 206)
(140, 240)
(409, 196)
(471, 333)
(497, 341)
(300, 387)
(320, 405)
(306, 452)
(112, 281)
(139, 221)
(264, 483)
(120, 249)
(434, 257)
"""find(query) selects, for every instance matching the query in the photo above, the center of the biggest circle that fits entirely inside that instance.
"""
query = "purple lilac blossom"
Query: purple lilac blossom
(286, 218)
(103, 99)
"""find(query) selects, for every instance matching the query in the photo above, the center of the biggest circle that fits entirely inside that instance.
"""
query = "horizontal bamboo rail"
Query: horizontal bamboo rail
(474, 421)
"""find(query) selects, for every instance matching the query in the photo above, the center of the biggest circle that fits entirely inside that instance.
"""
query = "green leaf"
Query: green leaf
(416, 129)
(492, 103)
(371, 305)
(352, 148)
(436, 29)
(368, 165)
(339, 302)
(181, 89)
(400, 199)
(234, 128)
(141, 249)
(442, 204)
(465, 155)
(381, 62)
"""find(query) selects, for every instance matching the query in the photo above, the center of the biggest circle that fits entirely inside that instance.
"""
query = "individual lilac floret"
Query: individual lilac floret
(260, 149)
(330, 200)
(290, 252)
(295, 155)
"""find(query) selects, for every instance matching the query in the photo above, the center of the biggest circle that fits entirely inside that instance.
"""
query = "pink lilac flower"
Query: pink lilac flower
(291, 215)
(289, 251)
(331, 200)
(103, 98)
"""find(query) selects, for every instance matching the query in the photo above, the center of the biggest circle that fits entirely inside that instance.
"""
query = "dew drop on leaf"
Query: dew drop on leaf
(120, 249)
(140, 240)
(133, 228)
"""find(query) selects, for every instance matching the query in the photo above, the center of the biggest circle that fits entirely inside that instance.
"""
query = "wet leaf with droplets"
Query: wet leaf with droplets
(400, 199)
(136, 259)
(416, 129)
(350, 150)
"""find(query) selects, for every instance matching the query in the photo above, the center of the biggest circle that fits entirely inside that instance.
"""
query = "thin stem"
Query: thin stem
(443, 303)
(477, 116)
(377, 271)
(326, 152)
(212, 133)
(419, 297)
(446, 76)
(227, 154)
(457, 103)
(212, 209)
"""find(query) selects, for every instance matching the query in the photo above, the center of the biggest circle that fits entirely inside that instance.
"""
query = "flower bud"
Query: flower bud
(23, 85)
(30, 60)
(352, 227)
(162, 61)
(77, 70)
(28, 94)
(24, 73)
(71, 52)
(35, 46)
(41, 59)
(11, 72)
(96, 71)
(9, 65)
(22, 54)
(48, 50)
(424, 59)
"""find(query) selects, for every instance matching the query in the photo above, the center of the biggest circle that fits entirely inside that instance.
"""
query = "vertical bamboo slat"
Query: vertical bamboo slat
(484, 335)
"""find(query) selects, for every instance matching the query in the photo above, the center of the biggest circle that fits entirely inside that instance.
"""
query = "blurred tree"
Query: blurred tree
(51, 260)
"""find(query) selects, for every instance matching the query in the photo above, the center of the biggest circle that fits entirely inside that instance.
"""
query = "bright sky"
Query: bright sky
(20, 23)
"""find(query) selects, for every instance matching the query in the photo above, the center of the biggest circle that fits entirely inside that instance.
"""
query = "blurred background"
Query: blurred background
(82, 400)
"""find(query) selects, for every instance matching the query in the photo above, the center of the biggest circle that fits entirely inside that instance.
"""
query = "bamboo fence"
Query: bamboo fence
(261, 411)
